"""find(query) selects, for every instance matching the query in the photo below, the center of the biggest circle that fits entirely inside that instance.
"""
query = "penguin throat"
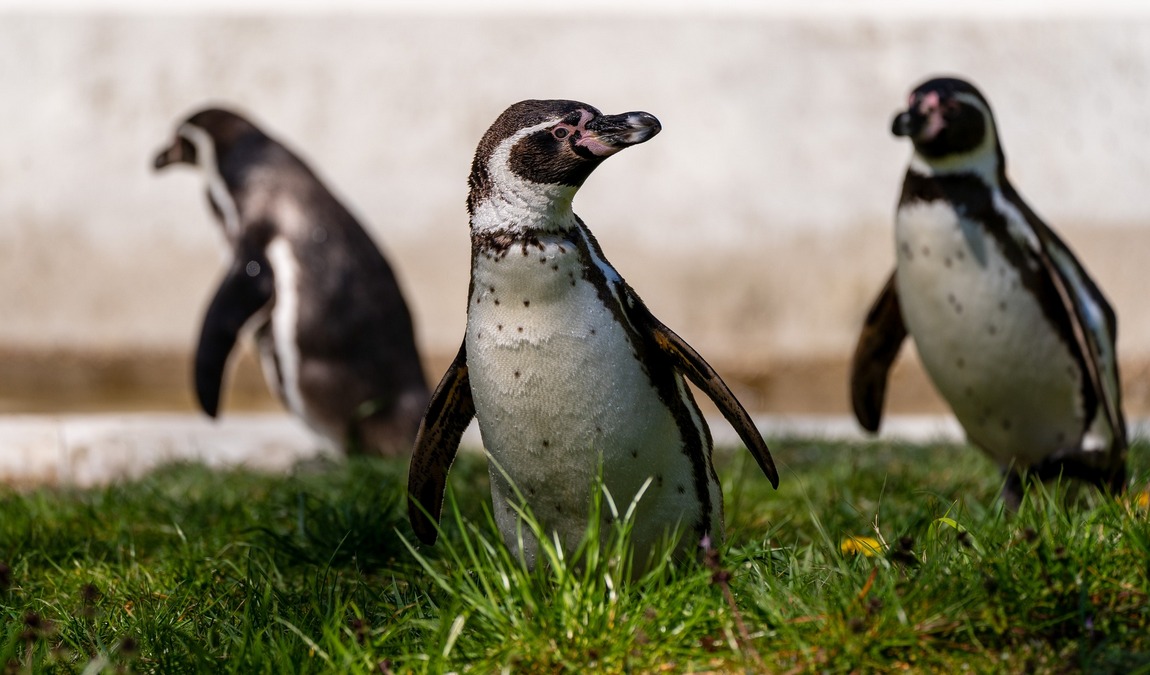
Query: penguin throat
(539, 208)
(219, 195)
(501, 200)
(985, 161)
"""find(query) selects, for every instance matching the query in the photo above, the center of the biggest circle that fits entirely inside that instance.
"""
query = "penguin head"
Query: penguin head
(206, 138)
(542, 151)
(952, 127)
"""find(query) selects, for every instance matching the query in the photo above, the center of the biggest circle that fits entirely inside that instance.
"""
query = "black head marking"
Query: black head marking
(946, 117)
(572, 139)
(181, 151)
(228, 131)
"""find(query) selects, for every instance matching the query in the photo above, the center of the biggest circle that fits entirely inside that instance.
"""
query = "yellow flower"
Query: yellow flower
(1142, 499)
(867, 546)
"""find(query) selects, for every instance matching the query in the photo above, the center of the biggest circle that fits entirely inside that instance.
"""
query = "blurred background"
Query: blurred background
(758, 225)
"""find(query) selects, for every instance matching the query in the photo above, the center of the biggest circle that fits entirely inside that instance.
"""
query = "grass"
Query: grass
(191, 570)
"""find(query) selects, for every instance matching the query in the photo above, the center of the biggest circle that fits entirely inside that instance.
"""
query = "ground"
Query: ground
(869, 557)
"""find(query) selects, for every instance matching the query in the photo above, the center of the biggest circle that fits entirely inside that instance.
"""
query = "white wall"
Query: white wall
(757, 224)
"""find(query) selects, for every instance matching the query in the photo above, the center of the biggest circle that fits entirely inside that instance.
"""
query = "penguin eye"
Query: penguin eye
(560, 132)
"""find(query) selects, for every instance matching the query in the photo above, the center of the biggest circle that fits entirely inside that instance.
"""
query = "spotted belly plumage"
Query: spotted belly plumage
(562, 398)
(573, 380)
(1010, 327)
(983, 338)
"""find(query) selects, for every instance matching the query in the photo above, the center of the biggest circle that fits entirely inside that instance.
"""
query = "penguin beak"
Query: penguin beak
(908, 123)
(180, 151)
(607, 134)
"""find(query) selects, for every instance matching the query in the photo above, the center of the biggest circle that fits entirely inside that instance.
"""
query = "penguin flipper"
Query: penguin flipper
(241, 294)
(448, 414)
(879, 342)
(706, 379)
(1092, 319)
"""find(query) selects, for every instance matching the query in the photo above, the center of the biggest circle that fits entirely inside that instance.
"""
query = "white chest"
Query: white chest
(560, 396)
(983, 338)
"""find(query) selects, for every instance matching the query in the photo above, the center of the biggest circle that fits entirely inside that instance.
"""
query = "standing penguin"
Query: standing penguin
(333, 332)
(569, 374)
(1010, 328)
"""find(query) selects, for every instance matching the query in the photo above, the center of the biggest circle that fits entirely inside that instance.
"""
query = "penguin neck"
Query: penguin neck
(525, 209)
(985, 161)
(220, 193)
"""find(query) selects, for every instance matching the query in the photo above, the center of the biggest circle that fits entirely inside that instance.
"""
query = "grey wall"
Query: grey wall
(757, 224)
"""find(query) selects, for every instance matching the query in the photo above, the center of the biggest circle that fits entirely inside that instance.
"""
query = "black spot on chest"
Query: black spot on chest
(973, 200)
(496, 244)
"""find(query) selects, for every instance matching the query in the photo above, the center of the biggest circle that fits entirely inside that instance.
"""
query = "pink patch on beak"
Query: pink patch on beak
(588, 139)
(597, 147)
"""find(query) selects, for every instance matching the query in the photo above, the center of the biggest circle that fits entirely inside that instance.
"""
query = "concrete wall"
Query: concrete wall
(758, 224)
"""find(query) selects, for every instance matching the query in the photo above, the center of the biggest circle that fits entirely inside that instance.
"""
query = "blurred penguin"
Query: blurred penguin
(1013, 332)
(334, 334)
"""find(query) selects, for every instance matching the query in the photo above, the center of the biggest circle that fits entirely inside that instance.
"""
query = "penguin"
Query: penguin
(1010, 328)
(570, 376)
(335, 337)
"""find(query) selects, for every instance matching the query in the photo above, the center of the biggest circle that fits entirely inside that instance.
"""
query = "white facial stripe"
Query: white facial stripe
(975, 102)
(516, 203)
(206, 160)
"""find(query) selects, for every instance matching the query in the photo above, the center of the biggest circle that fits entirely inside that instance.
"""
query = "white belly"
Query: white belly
(983, 339)
(559, 394)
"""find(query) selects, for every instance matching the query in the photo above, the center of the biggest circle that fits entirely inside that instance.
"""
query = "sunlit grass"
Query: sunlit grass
(191, 570)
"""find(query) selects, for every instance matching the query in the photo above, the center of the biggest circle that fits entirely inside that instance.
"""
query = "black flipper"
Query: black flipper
(703, 376)
(448, 414)
(1092, 320)
(881, 338)
(248, 287)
